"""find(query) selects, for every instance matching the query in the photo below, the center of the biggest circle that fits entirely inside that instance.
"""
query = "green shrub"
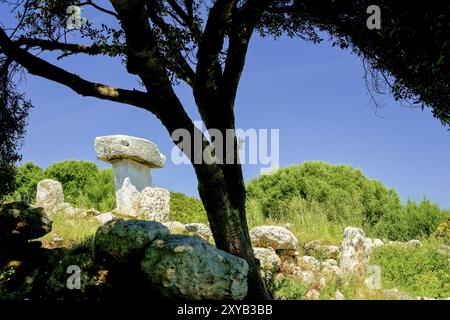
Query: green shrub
(27, 177)
(75, 177)
(186, 209)
(414, 221)
(341, 191)
(442, 232)
(418, 271)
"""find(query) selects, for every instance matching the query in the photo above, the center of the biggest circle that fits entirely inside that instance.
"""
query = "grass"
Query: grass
(417, 271)
(74, 231)
(308, 221)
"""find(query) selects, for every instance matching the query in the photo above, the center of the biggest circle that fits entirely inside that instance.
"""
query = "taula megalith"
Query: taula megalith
(132, 159)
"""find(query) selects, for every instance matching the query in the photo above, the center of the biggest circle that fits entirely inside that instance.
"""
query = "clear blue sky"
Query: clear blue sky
(315, 95)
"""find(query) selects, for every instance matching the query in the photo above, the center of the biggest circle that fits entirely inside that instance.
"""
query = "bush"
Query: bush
(418, 271)
(343, 193)
(442, 232)
(186, 209)
(27, 177)
(414, 221)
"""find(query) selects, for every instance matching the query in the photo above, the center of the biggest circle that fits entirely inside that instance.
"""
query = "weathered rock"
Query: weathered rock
(175, 227)
(312, 294)
(274, 237)
(309, 263)
(329, 262)
(355, 251)
(49, 194)
(270, 261)
(330, 252)
(333, 272)
(128, 200)
(414, 243)
(155, 204)
(189, 268)
(199, 230)
(307, 277)
(105, 217)
(20, 222)
(131, 159)
(339, 296)
(377, 243)
(395, 294)
(111, 148)
(123, 239)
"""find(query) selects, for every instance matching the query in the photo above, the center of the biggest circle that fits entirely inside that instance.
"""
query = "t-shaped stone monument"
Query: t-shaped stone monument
(132, 159)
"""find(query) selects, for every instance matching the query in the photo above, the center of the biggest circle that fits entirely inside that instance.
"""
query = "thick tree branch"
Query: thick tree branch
(49, 45)
(42, 68)
(209, 71)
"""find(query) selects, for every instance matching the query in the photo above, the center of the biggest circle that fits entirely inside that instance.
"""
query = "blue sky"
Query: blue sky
(315, 95)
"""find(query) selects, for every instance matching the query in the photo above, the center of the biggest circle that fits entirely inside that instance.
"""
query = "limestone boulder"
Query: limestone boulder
(309, 263)
(184, 267)
(49, 194)
(125, 239)
(270, 262)
(355, 251)
(104, 218)
(199, 230)
(155, 204)
(20, 222)
(111, 148)
(128, 200)
(175, 227)
(275, 237)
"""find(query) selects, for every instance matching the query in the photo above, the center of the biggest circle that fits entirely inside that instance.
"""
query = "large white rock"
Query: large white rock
(49, 194)
(199, 230)
(112, 148)
(125, 239)
(189, 268)
(355, 251)
(275, 237)
(309, 263)
(175, 227)
(270, 262)
(155, 204)
(128, 200)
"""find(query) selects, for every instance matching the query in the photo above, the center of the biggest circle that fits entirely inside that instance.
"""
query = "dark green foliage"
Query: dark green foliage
(186, 209)
(86, 186)
(414, 221)
(342, 191)
(27, 177)
(13, 116)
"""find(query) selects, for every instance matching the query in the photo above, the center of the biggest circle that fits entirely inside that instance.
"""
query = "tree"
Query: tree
(204, 44)
(13, 115)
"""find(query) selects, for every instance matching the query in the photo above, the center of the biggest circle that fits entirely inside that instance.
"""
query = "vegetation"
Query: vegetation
(86, 186)
(418, 271)
(186, 209)
(13, 118)
(320, 200)
(204, 44)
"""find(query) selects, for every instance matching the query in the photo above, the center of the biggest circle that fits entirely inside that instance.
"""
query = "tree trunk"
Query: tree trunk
(228, 225)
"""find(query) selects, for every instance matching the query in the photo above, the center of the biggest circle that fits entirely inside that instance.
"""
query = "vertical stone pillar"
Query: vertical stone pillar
(132, 159)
